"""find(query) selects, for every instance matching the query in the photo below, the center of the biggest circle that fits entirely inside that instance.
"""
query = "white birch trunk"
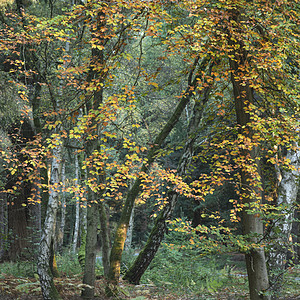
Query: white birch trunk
(128, 240)
(77, 218)
(44, 270)
(63, 206)
(287, 195)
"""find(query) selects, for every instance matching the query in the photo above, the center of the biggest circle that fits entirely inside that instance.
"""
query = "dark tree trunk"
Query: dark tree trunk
(135, 272)
(250, 191)
(18, 212)
(95, 73)
(90, 249)
(105, 238)
(3, 225)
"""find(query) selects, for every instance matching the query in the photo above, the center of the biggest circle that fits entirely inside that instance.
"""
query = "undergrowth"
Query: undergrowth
(175, 269)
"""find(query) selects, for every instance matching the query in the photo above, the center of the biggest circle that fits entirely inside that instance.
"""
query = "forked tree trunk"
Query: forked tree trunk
(121, 232)
(135, 272)
(43, 267)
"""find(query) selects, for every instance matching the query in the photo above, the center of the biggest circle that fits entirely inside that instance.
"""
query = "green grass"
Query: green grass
(18, 269)
(68, 264)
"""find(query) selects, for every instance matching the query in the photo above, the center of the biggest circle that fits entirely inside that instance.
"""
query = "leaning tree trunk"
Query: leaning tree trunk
(121, 232)
(281, 231)
(44, 268)
(135, 272)
(250, 192)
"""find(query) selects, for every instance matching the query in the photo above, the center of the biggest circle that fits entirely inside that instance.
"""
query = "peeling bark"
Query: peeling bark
(128, 240)
(43, 267)
(287, 196)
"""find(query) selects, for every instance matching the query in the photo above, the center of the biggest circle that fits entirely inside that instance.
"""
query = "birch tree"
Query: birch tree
(44, 262)
(288, 190)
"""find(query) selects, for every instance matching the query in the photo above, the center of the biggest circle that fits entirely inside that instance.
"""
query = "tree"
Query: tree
(135, 272)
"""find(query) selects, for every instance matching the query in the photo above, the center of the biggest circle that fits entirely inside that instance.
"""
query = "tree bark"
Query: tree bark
(3, 225)
(281, 230)
(62, 208)
(90, 247)
(44, 265)
(96, 65)
(128, 241)
(250, 192)
(251, 221)
(77, 205)
(18, 212)
(105, 238)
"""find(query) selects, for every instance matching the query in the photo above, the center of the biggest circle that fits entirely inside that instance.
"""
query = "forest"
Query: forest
(149, 149)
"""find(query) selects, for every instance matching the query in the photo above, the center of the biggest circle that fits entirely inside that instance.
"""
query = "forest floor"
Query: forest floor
(232, 284)
(12, 288)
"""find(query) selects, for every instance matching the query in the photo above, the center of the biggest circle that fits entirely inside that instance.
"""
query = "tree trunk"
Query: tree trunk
(18, 213)
(135, 272)
(105, 238)
(90, 248)
(281, 231)
(77, 217)
(95, 73)
(128, 240)
(295, 255)
(44, 265)
(120, 235)
(62, 208)
(35, 220)
(250, 192)
(3, 225)
(35, 209)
